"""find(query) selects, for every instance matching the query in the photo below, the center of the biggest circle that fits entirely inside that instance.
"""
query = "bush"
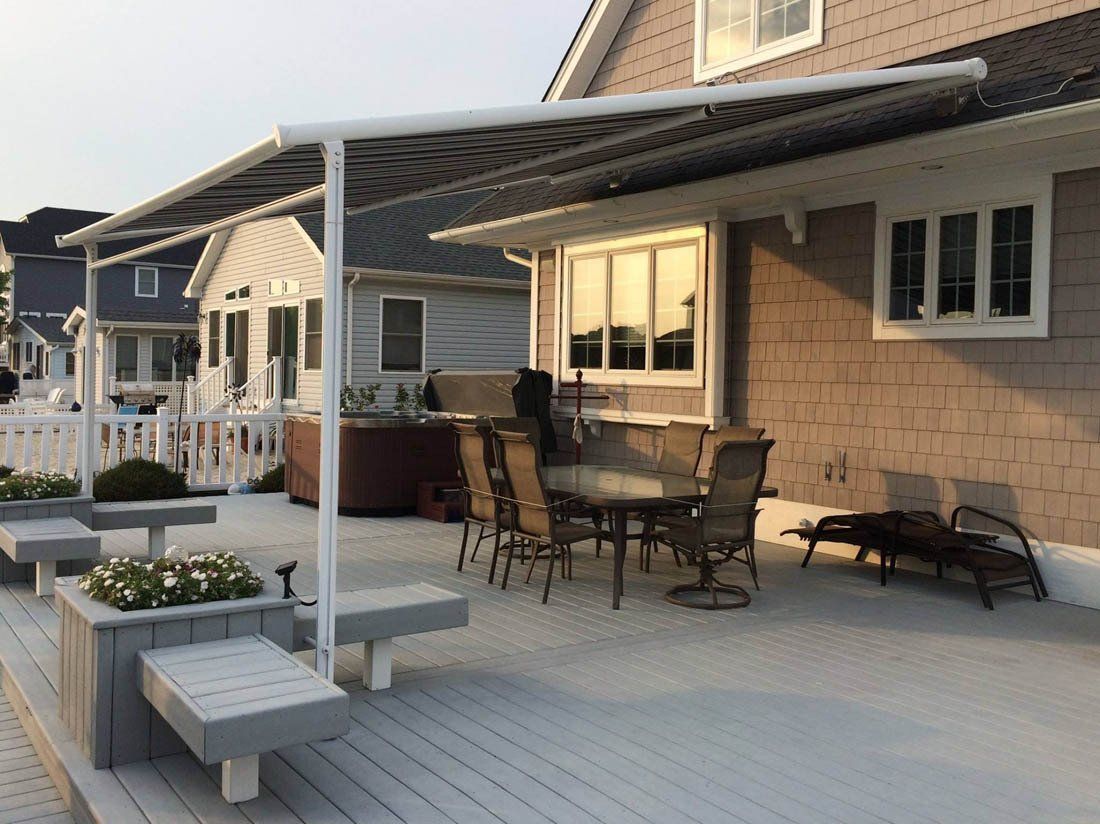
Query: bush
(273, 480)
(131, 584)
(36, 486)
(139, 480)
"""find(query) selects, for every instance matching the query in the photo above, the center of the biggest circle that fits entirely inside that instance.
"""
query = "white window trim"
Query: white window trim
(423, 334)
(629, 377)
(963, 195)
(137, 281)
(773, 51)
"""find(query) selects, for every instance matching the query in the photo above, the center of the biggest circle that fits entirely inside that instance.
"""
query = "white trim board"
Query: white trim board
(588, 49)
(626, 416)
(1071, 573)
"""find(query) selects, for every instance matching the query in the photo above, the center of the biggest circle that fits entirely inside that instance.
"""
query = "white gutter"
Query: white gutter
(443, 280)
(351, 316)
(522, 261)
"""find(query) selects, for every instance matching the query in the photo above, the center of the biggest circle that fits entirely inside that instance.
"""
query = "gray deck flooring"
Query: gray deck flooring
(27, 793)
(829, 699)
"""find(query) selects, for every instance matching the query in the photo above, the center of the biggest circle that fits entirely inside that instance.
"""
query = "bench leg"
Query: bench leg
(241, 779)
(156, 542)
(377, 661)
(44, 573)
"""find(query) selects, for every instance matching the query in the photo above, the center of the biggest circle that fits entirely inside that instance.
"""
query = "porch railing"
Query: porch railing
(263, 391)
(212, 391)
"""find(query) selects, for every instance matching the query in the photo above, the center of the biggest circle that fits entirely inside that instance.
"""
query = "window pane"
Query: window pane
(907, 243)
(313, 333)
(675, 279)
(162, 359)
(629, 309)
(402, 335)
(586, 305)
(230, 333)
(958, 265)
(728, 29)
(70, 363)
(290, 351)
(214, 338)
(1010, 268)
(126, 351)
(313, 315)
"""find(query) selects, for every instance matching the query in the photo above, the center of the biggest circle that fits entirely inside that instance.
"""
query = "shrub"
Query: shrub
(37, 486)
(139, 480)
(129, 584)
(274, 480)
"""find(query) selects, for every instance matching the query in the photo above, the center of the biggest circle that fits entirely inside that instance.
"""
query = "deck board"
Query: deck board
(27, 793)
(829, 700)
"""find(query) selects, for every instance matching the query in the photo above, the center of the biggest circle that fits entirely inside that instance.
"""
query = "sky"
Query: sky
(106, 103)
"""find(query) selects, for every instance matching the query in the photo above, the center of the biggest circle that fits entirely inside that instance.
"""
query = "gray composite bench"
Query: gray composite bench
(233, 699)
(154, 516)
(376, 616)
(45, 541)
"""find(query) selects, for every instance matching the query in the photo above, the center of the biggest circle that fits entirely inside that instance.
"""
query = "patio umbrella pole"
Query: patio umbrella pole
(331, 320)
(87, 434)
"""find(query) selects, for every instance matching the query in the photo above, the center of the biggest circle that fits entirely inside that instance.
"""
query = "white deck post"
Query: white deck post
(88, 435)
(331, 373)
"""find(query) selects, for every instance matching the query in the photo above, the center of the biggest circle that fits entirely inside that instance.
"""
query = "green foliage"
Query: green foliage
(401, 398)
(36, 486)
(129, 584)
(5, 285)
(359, 399)
(139, 480)
(274, 480)
(419, 404)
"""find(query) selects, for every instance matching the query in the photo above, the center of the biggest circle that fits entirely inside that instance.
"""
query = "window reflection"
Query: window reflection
(674, 307)
(587, 313)
(629, 308)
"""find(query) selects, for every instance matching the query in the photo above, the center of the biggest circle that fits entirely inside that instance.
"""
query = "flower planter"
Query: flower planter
(79, 508)
(99, 697)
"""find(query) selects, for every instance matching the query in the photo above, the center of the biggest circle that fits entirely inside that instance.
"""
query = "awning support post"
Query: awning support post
(88, 397)
(331, 375)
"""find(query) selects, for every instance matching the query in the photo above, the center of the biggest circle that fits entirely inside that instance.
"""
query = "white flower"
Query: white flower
(108, 582)
(203, 586)
(129, 597)
(170, 581)
(120, 585)
(127, 592)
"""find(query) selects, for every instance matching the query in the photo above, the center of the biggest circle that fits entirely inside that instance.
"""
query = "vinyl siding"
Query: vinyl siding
(467, 328)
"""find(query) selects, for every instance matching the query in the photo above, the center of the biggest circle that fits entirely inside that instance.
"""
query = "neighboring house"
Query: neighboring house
(411, 305)
(911, 292)
(141, 304)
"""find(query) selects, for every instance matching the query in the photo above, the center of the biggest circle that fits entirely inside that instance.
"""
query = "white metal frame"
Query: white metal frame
(938, 200)
(423, 333)
(703, 71)
(137, 281)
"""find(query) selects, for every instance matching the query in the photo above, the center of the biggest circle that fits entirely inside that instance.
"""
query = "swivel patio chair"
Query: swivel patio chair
(535, 516)
(480, 505)
(680, 455)
(730, 432)
(724, 529)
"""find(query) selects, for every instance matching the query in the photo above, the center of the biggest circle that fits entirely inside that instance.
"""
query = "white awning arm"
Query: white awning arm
(275, 207)
(256, 153)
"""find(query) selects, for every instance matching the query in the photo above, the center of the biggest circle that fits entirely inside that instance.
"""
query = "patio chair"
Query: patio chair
(730, 432)
(535, 517)
(724, 527)
(680, 455)
(480, 505)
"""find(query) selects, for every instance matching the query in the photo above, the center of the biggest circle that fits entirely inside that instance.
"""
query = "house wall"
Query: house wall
(255, 254)
(1009, 425)
(546, 284)
(467, 328)
(653, 49)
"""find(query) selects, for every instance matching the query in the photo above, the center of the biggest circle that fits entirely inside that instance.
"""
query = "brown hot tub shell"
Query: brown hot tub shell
(381, 461)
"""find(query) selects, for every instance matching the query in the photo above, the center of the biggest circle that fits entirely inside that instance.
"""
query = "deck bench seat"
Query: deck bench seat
(233, 699)
(154, 516)
(377, 616)
(45, 541)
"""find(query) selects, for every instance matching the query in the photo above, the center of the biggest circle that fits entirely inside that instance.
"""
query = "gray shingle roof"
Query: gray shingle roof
(1022, 64)
(396, 239)
(48, 328)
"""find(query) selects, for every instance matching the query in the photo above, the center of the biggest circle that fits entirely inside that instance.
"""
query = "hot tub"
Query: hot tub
(382, 457)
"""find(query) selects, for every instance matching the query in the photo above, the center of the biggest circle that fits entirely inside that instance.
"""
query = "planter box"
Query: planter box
(99, 697)
(79, 508)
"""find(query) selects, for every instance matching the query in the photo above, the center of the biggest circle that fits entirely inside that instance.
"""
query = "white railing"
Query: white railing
(211, 392)
(174, 391)
(263, 391)
(215, 450)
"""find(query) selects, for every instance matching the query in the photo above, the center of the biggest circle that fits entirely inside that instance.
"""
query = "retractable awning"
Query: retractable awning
(357, 165)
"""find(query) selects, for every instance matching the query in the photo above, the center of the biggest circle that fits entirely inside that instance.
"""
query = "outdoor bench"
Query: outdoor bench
(377, 616)
(153, 515)
(44, 542)
(233, 699)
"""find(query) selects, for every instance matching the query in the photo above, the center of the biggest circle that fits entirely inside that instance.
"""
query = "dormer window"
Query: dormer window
(145, 282)
(731, 35)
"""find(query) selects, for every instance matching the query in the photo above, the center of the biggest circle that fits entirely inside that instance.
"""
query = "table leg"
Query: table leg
(618, 533)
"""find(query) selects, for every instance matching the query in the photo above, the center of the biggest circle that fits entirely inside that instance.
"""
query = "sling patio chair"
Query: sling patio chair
(535, 516)
(724, 529)
(480, 505)
(731, 432)
(680, 455)
(925, 536)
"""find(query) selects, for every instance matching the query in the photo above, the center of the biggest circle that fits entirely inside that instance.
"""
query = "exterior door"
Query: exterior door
(282, 341)
(236, 329)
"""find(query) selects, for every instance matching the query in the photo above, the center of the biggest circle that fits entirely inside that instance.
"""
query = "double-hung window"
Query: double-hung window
(735, 34)
(145, 282)
(163, 366)
(974, 270)
(631, 308)
(313, 333)
(126, 357)
(401, 334)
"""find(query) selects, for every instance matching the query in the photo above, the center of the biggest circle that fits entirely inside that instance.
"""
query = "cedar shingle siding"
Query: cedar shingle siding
(653, 49)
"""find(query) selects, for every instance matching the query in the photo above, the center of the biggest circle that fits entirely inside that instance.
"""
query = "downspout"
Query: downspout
(533, 299)
(351, 316)
(105, 388)
(519, 259)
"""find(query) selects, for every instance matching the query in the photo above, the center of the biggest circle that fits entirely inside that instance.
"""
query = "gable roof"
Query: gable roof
(47, 328)
(34, 234)
(589, 46)
(395, 239)
(135, 317)
(1023, 65)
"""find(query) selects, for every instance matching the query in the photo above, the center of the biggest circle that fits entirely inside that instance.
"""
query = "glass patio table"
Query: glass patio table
(620, 490)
